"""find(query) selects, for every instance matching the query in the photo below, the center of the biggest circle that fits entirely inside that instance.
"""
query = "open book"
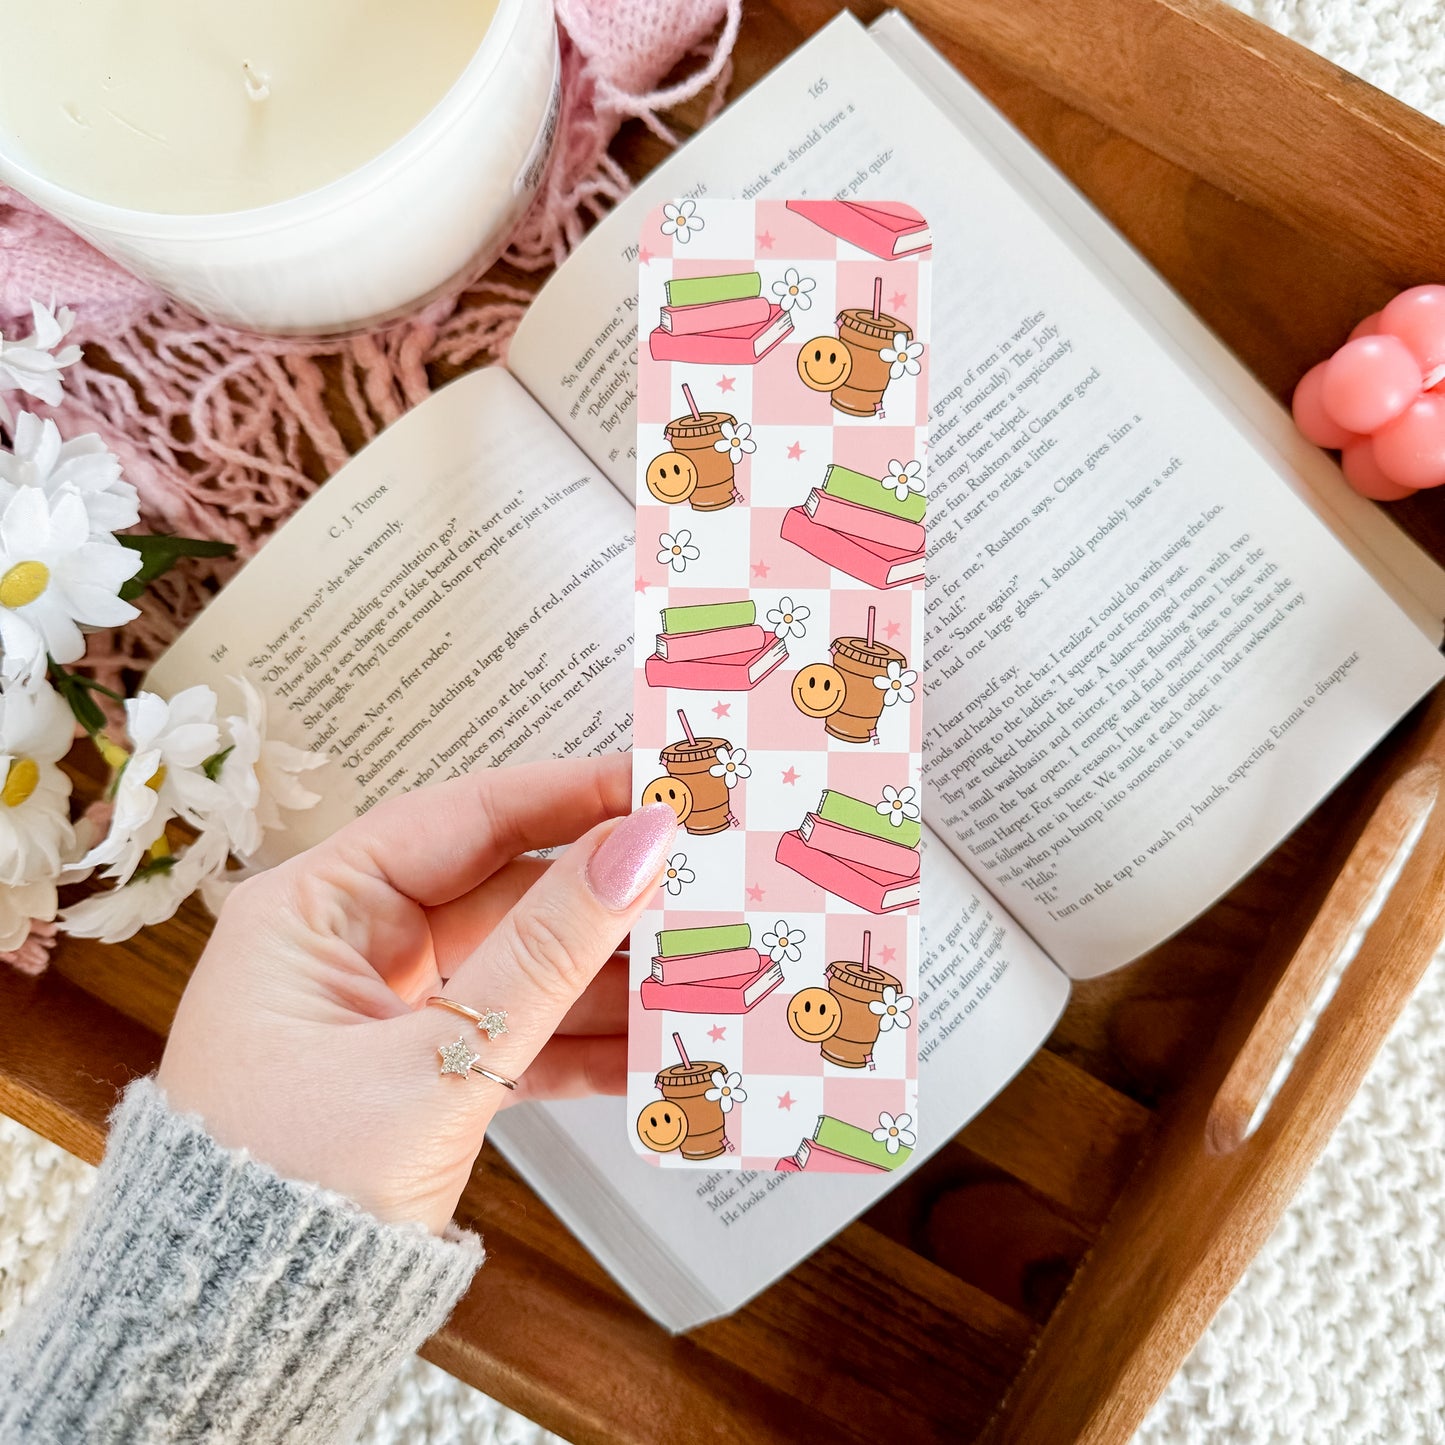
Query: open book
(1160, 627)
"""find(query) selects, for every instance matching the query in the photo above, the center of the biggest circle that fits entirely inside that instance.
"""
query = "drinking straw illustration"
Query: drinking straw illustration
(877, 297)
(867, 947)
(873, 611)
(686, 731)
(681, 1052)
(692, 405)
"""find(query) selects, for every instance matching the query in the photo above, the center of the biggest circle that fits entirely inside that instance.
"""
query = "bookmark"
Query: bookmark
(782, 425)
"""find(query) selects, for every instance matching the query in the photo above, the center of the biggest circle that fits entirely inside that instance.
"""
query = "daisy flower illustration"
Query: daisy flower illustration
(793, 290)
(896, 684)
(902, 356)
(727, 1090)
(782, 942)
(892, 1009)
(895, 1133)
(898, 804)
(732, 764)
(736, 440)
(676, 550)
(680, 219)
(788, 617)
(677, 874)
(903, 478)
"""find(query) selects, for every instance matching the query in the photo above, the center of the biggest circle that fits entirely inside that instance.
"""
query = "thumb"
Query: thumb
(545, 951)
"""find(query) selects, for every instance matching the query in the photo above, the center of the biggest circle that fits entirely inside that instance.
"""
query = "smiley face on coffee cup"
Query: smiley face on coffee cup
(672, 791)
(672, 477)
(825, 363)
(813, 1015)
(662, 1126)
(818, 690)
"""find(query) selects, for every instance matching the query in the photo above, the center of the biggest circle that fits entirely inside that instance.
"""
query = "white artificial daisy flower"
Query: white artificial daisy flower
(732, 764)
(258, 776)
(903, 479)
(85, 466)
(892, 1009)
(36, 730)
(782, 942)
(676, 550)
(151, 896)
(677, 874)
(164, 777)
(894, 1134)
(788, 617)
(736, 441)
(727, 1090)
(902, 356)
(53, 577)
(681, 220)
(31, 364)
(792, 291)
(898, 804)
(896, 684)
(20, 905)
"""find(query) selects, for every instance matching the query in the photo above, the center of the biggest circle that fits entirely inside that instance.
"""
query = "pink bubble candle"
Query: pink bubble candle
(1380, 399)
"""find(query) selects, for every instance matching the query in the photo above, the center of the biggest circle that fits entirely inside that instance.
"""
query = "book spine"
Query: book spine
(708, 617)
(730, 674)
(847, 554)
(718, 938)
(714, 315)
(856, 847)
(849, 223)
(697, 290)
(855, 1143)
(867, 523)
(734, 996)
(705, 967)
(836, 807)
(854, 487)
(718, 642)
(836, 876)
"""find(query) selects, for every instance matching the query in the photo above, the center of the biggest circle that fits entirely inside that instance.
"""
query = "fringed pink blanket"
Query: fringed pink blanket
(224, 434)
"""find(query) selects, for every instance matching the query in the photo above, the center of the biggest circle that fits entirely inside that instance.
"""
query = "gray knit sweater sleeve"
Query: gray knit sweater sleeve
(207, 1299)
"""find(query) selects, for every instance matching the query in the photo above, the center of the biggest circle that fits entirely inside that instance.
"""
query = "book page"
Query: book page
(690, 1246)
(457, 595)
(1148, 656)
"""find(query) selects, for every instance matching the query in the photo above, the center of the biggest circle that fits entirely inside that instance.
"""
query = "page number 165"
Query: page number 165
(818, 87)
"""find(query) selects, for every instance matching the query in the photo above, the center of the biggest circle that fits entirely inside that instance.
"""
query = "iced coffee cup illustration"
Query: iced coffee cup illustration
(698, 786)
(868, 999)
(849, 693)
(694, 1087)
(700, 468)
(871, 349)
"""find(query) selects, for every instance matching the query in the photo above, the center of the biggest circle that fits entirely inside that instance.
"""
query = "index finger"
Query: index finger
(435, 843)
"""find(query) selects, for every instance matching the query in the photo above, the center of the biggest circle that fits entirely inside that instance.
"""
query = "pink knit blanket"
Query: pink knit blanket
(224, 434)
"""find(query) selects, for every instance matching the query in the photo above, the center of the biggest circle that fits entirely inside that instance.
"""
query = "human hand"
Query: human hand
(304, 1035)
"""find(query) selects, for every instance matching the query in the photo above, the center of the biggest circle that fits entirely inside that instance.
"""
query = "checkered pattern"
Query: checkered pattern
(792, 759)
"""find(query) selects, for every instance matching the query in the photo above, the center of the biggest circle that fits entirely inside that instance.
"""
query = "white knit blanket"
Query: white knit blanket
(1335, 1336)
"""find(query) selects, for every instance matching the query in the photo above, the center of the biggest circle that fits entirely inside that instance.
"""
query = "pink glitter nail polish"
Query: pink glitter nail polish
(632, 856)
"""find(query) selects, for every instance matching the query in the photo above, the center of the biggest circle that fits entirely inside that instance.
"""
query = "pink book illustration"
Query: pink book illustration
(874, 889)
(865, 523)
(715, 315)
(815, 1158)
(739, 672)
(855, 847)
(735, 995)
(732, 346)
(886, 229)
(716, 642)
(875, 563)
(704, 967)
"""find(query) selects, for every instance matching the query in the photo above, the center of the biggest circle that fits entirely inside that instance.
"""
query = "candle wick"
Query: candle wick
(258, 87)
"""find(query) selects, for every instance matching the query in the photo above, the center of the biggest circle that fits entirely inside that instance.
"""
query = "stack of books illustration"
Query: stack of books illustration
(855, 853)
(718, 321)
(887, 229)
(842, 1148)
(856, 524)
(713, 647)
(709, 971)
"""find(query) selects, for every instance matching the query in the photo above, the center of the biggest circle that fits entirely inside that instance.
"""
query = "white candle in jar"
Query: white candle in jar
(289, 165)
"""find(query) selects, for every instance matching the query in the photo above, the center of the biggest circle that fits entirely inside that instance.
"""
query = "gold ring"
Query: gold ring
(492, 1021)
(458, 1058)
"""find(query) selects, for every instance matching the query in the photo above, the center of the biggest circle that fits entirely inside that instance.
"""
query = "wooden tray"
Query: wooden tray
(1042, 1277)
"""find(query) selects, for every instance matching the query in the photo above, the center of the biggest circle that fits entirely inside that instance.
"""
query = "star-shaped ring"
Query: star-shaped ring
(457, 1058)
(492, 1021)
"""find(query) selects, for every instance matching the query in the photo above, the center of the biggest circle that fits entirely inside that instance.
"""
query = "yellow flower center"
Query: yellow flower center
(895, 684)
(157, 779)
(896, 805)
(22, 780)
(677, 551)
(672, 872)
(787, 616)
(23, 583)
(893, 1132)
(792, 290)
(892, 1009)
(726, 1091)
(161, 848)
(731, 767)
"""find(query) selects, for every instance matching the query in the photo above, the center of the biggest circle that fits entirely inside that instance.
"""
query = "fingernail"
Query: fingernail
(632, 856)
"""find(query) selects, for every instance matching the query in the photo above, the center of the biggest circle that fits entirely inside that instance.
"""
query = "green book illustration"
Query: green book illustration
(837, 807)
(857, 1143)
(851, 486)
(707, 616)
(680, 942)
(693, 290)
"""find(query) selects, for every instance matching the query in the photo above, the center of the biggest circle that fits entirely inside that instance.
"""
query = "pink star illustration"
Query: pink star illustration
(722, 709)
(716, 1032)
(791, 776)
(786, 1101)
(644, 255)
(725, 383)
(639, 585)
(892, 629)
(765, 241)
(897, 301)
(795, 452)
(887, 955)
(755, 894)
(760, 569)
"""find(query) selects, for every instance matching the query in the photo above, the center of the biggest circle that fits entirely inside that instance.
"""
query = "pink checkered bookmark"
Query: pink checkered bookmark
(781, 433)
